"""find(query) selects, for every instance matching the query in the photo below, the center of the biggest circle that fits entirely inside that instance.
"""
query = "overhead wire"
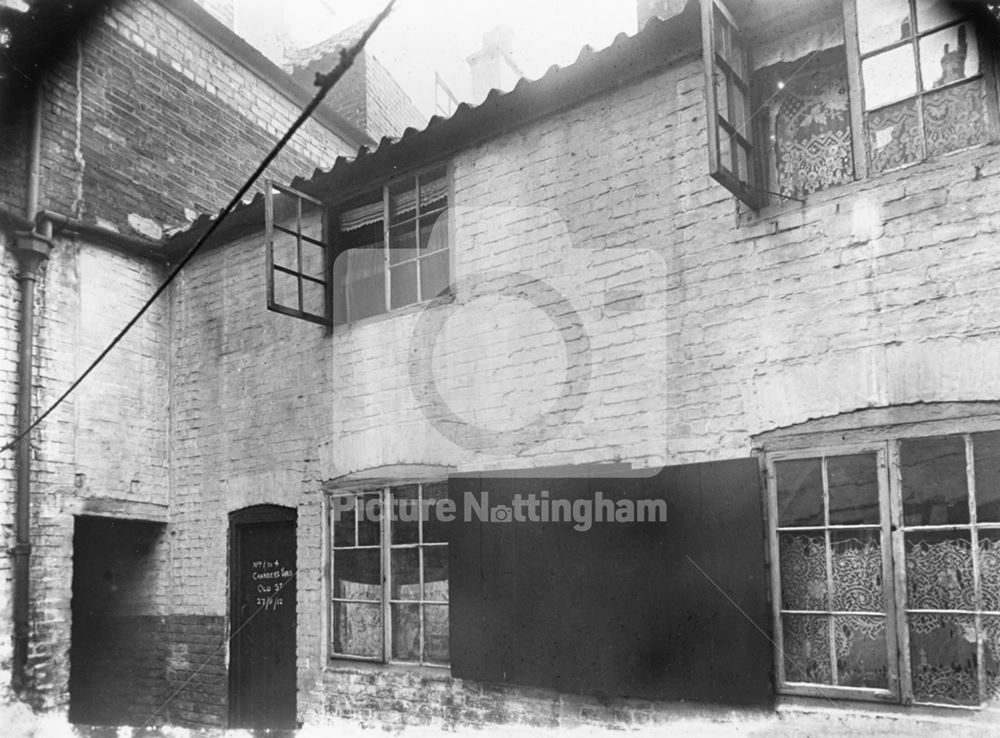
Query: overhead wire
(325, 82)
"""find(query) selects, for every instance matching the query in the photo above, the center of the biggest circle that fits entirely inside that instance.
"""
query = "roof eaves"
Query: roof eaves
(627, 60)
(215, 31)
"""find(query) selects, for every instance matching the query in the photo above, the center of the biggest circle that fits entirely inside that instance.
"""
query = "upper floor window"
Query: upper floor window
(392, 247)
(817, 93)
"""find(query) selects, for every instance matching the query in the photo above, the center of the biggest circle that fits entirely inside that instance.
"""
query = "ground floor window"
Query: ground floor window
(389, 574)
(886, 568)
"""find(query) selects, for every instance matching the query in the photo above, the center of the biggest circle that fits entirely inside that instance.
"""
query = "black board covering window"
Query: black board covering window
(673, 610)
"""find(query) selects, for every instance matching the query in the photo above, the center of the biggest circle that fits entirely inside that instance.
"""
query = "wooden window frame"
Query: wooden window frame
(445, 216)
(886, 443)
(385, 547)
(271, 227)
(856, 81)
(756, 193)
(746, 137)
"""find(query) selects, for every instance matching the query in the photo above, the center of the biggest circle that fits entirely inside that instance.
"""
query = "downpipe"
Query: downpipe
(32, 249)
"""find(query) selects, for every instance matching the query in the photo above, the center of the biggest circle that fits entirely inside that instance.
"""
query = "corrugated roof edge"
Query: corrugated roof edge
(629, 58)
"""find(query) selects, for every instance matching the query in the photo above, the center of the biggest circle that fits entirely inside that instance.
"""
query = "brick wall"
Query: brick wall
(703, 327)
(148, 122)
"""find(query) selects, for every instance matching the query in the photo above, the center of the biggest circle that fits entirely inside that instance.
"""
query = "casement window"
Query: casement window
(814, 94)
(298, 264)
(389, 575)
(392, 247)
(885, 569)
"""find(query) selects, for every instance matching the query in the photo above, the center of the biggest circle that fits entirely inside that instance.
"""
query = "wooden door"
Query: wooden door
(262, 618)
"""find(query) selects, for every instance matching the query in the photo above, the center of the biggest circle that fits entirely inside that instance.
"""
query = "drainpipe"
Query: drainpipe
(32, 249)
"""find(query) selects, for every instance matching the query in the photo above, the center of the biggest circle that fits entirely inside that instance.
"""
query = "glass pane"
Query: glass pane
(357, 574)
(436, 573)
(955, 118)
(806, 648)
(402, 243)
(721, 95)
(986, 450)
(433, 190)
(722, 34)
(406, 514)
(989, 569)
(894, 136)
(314, 298)
(435, 527)
(932, 13)
(943, 659)
(856, 557)
(800, 492)
(284, 253)
(861, 651)
(402, 201)
(342, 520)
(802, 559)
(949, 56)
(286, 289)
(742, 170)
(889, 76)
(939, 571)
(365, 282)
(357, 629)
(434, 232)
(403, 284)
(369, 512)
(725, 150)
(991, 655)
(405, 573)
(853, 483)
(436, 633)
(882, 22)
(433, 275)
(313, 260)
(934, 481)
(406, 632)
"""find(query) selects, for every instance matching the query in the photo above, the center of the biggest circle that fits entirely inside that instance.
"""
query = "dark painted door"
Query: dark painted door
(262, 618)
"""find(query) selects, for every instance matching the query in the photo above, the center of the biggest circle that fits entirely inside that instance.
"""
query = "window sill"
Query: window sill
(342, 328)
(956, 715)
(787, 214)
(351, 666)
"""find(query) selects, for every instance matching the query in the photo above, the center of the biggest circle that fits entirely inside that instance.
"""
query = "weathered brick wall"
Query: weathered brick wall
(390, 111)
(148, 122)
(109, 440)
(702, 329)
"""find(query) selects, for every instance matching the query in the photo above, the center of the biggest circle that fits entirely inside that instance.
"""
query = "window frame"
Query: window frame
(385, 547)
(271, 226)
(446, 216)
(758, 194)
(886, 442)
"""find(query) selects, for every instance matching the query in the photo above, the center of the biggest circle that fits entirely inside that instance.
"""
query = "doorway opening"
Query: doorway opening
(116, 666)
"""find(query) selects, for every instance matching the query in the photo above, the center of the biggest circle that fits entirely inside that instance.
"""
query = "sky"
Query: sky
(422, 37)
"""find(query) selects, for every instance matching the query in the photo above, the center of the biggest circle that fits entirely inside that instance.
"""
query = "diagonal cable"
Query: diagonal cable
(324, 82)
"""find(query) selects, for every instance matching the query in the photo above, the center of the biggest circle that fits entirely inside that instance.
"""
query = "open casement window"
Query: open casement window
(389, 575)
(886, 569)
(924, 91)
(298, 264)
(392, 247)
(733, 159)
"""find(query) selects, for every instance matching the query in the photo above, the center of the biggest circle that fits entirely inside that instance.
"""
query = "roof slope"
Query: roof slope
(628, 59)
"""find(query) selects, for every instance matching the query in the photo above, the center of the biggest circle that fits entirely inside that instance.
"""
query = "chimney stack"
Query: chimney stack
(493, 66)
